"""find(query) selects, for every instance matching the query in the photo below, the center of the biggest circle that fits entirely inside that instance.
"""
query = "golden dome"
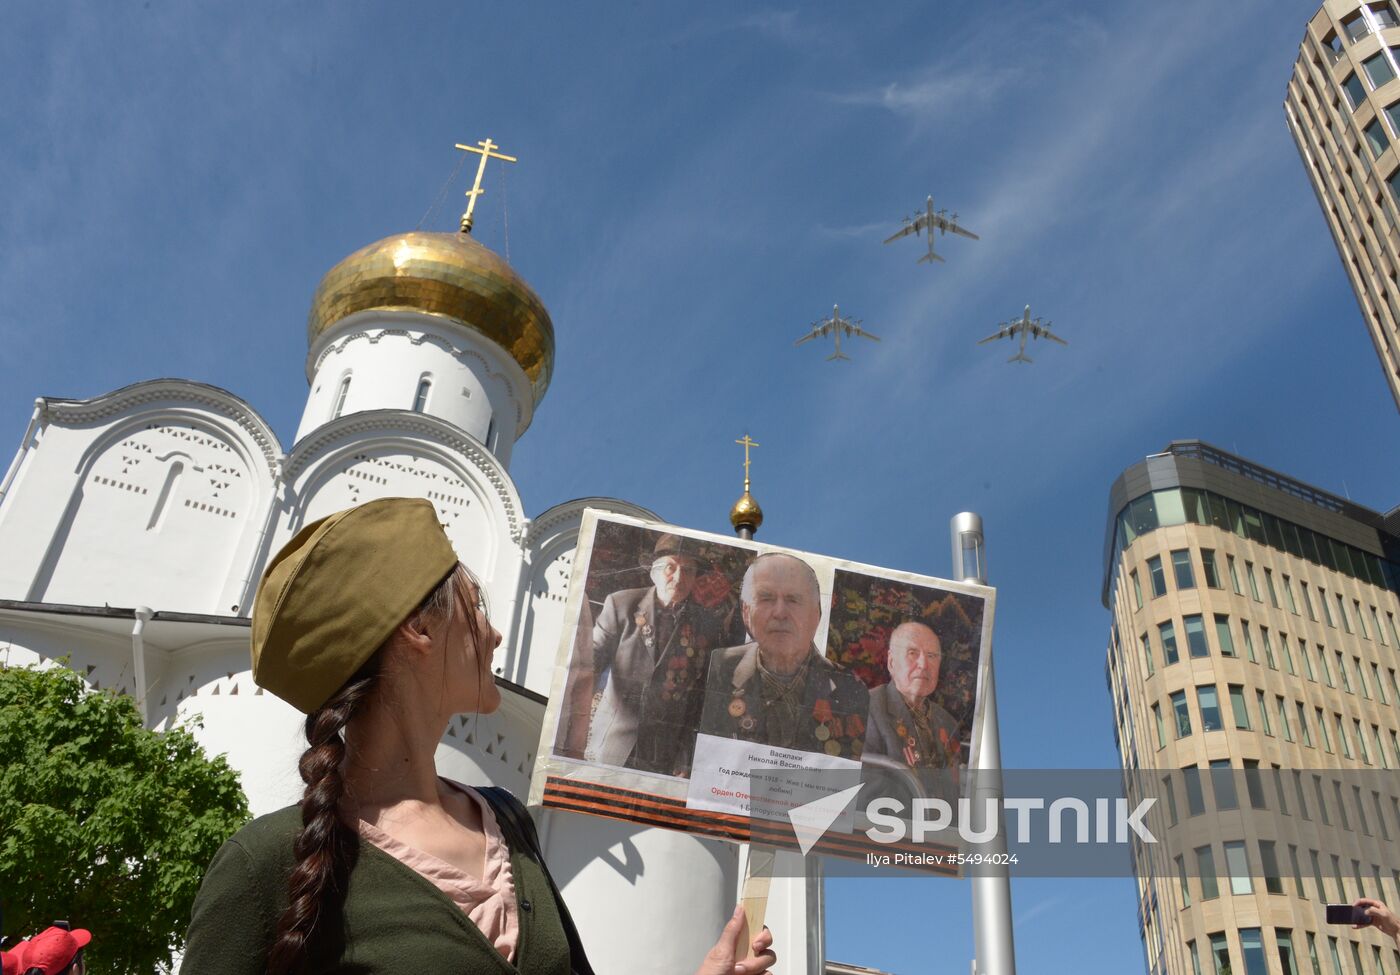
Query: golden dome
(746, 512)
(448, 275)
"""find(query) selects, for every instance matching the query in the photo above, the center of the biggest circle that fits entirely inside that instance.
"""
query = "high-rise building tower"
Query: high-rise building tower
(1343, 108)
(1256, 627)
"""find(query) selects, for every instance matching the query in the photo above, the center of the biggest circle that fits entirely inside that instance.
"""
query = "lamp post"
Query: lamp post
(994, 945)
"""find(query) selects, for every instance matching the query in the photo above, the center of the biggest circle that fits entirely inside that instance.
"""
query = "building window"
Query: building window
(1342, 736)
(1303, 730)
(1253, 583)
(1379, 69)
(1288, 594)
(1268, 648)
(1196, 636)
(1234, 576)
(1355, 91)
(1268, 860)
(1283, 718)
(420, 398)
(1283, 937)
(1312, 954)
(1161, 727)
(491, 435)
(1380, 635)
(1326, 670)
(1248, 641)
(1137, 588)
(1307, 660)
(1269, 584)
(1326, 612)
(1237, 866)
(1147, 654)
(1336, 958)
(1171, 799)
(1254, 784)
(1342, 612)
(1191, 945)
(1361, 677)
(340, 397)
(1181, 565)
(1342, 673)
(1380, 750)
(1208, 569)
(1287, 654)
(1185, 887)
(1307, 603)
(1208, 699)
(1322, 730)
(1360, 620)
(1159, 578)
(1263, 713)
(1380, 687)
(1297, 872)
(1361, 741)
(1210, 890)
(1322, 894)
(1298, 791)
(1222, 783)
(1382, 15)
(1222, 635)
(1380, 818)
(1390, 622)
(1167, 634)
(1237, 706)
(1183, 716)
(1195, 798)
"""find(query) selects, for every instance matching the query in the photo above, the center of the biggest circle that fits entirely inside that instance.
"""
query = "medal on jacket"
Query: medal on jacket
(648, 637)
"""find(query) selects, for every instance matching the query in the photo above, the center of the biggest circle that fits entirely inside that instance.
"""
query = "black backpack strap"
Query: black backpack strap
(514, 817)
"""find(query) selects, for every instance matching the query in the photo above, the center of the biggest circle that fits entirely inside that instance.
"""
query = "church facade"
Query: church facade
(134, 527)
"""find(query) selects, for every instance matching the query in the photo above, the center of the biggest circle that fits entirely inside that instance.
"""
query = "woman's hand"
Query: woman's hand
(1382, 918)
(725, 957)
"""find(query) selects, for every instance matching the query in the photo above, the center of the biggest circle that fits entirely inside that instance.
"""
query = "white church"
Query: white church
(134, 527)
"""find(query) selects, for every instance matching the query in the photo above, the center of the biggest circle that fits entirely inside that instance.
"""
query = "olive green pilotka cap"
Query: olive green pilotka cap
(336, 592)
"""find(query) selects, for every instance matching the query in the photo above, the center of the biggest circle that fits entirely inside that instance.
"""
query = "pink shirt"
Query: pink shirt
(488, 902)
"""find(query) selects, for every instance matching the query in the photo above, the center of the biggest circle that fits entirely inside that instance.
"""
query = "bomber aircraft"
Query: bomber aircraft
(836, 326)
(929, 221)
(1026, 327)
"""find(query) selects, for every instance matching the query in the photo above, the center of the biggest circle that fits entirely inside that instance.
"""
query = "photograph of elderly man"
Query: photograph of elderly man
(777, 689)
(645, 664)
(905, 723)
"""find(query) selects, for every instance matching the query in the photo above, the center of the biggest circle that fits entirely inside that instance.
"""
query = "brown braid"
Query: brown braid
(326, 847)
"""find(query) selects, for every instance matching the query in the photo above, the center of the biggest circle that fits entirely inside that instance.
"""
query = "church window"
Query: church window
(172, 476)
(340, 397)
(420, 399)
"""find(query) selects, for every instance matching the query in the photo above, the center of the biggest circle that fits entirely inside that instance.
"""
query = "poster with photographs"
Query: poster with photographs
(711, 684)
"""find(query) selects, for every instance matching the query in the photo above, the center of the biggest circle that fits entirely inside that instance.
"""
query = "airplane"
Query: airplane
(838, 326)
(931, 220)
(1026, 327)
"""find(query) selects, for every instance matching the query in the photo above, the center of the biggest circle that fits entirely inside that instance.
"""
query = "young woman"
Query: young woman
(366, 622)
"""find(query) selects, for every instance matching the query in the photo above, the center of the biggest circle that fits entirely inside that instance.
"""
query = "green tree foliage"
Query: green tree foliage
(103, 822)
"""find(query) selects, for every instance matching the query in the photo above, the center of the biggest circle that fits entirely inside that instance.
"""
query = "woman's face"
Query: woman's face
(468, 679)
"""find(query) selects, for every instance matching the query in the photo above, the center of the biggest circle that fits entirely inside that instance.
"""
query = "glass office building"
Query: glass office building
(1253, 660)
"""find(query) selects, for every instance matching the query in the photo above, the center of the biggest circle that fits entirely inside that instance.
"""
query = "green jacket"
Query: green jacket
(396, 922)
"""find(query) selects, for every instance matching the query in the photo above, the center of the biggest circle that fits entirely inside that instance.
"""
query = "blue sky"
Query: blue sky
(696, 185)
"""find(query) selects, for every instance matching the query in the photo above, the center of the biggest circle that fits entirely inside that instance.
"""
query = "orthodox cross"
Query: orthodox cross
(746, 443)
(485, 150)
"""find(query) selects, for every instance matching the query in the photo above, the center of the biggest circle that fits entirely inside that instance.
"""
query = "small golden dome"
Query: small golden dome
(448, 275)
(746, 513)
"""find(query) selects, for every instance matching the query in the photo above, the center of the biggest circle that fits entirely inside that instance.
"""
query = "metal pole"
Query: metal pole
(991, 895)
